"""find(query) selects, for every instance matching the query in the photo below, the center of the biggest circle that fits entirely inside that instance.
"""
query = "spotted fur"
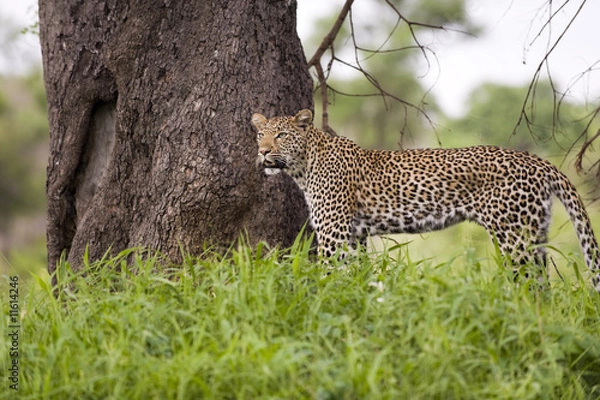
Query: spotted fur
(353, 193)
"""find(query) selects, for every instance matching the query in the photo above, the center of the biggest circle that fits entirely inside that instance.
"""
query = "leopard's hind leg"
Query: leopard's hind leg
(520, 229)
(524, 253)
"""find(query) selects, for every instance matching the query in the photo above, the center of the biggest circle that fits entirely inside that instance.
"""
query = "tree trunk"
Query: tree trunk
(149, 104)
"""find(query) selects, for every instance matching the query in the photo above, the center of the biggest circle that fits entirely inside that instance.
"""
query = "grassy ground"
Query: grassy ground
(245, 327)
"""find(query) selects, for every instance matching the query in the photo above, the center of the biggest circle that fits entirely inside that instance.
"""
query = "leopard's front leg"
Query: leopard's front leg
(328, 245)
(333, 237)
(332, 206)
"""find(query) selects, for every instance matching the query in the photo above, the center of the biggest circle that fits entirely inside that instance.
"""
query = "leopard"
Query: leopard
(354, 193)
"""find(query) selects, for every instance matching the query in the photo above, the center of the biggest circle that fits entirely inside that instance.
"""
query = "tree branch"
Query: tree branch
(537, 73)
(330, 37)
(315, 62)
(327, 44)
(527, 109)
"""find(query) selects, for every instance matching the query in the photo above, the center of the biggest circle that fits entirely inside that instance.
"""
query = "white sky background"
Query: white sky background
(18, 52)
(500, 54)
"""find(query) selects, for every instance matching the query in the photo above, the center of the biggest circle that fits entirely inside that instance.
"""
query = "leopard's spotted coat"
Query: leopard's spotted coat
(353, 193)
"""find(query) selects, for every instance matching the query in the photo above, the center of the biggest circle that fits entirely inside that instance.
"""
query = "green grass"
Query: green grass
(262, 323)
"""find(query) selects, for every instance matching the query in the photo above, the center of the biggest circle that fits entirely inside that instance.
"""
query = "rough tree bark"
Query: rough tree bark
(149, 104)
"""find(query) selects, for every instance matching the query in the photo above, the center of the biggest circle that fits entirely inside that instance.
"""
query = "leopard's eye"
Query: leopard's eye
(281, 135)
(259, 135)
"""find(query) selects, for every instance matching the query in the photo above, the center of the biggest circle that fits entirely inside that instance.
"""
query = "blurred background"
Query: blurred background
(23, 141)
(466, 85)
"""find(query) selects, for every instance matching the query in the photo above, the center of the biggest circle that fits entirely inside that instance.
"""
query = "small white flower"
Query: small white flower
(379, 285)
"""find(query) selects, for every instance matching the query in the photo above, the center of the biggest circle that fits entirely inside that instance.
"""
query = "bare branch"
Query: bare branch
(548, 23)
(384, 51)
(586, 145)
(527, 109)
(328, 45)
(536, 76)
(315, 62)
(387, 39)
(330, 37)
(384, 94)
(323, 89)
(412, 31)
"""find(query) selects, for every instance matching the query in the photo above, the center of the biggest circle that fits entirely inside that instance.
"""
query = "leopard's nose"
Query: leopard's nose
(264, 151)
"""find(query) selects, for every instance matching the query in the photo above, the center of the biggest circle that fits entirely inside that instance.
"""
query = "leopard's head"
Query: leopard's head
(282, 141)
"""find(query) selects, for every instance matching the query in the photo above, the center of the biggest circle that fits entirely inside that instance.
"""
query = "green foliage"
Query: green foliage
(263, 323)
(449, 13)
(26, 259)
(375, 122)
(23, 145)
(494, 112)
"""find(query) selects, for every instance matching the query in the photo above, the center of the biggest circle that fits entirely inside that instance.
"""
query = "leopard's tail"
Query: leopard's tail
(562, 188)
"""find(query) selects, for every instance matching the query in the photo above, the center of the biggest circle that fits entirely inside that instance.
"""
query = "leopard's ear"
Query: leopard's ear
(303, 119)
(259, 121)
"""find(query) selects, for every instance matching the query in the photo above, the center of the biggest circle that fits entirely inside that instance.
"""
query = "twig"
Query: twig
(328, 42)
(330, 37)
(537, 73)
(323, 89)
(581, 152)
(315, 62)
